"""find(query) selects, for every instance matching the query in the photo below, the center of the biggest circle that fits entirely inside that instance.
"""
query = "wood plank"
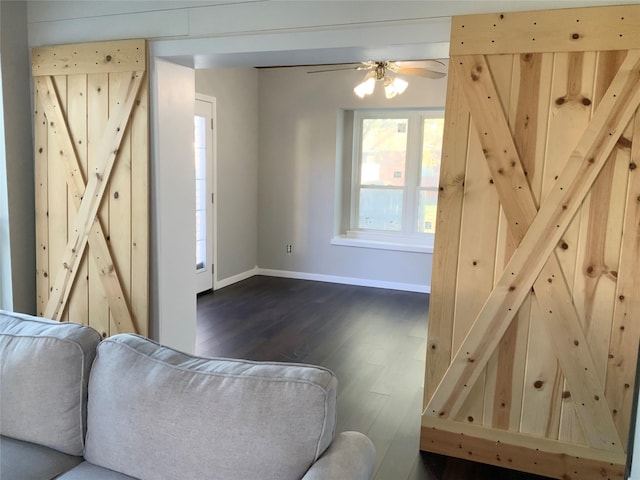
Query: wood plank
(595, 284)
(403, 447)
(572, 83)
(528, 454)
(623, 347)
(118, 202)
(585, 388)
(524, 441)
(528, 119)
(98, 115)
(503, 66)
(57, 201)
(96, 185)
(528, 261)
(41, 147)
(139, 129)
(505, 370)
(98, 57)
(573, 104)
(543, 382)
(75, 131)
(478, 255)
(566, 30)
(476, 261)
(601, 231)
(479, 406)
(448, 224)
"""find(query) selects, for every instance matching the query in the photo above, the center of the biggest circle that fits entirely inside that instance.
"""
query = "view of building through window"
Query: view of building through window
(432, 130)
(382, 173)
(397, 164)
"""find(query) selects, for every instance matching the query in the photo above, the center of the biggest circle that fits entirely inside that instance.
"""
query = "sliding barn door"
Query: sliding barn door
(535, 307)
(91, 163)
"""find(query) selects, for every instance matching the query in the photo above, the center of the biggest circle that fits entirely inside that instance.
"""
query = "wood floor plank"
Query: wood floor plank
(404, 448)
(374, 341)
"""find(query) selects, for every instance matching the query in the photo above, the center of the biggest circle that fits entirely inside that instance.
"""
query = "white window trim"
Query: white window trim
(394, 243)
(383, 239)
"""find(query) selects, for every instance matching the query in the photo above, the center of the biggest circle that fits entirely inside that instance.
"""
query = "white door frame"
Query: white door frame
(212, 180)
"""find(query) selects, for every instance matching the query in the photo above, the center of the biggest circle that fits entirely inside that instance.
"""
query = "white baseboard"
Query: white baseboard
(225, 282)
(361, 282)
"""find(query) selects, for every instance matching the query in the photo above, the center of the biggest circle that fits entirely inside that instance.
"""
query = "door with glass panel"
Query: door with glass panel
(203, 148)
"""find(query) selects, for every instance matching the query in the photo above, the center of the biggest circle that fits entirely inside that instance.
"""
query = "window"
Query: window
(395, 174)
(201, 191)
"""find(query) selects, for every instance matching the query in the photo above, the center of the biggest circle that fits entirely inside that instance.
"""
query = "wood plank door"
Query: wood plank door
(533, 329)
(92, 177)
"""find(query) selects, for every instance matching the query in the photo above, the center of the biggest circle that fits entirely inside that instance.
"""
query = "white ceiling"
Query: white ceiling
(262, 33)
(411, 30)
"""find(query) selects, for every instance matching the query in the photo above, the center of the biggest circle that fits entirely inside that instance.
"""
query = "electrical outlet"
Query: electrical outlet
(289, 248)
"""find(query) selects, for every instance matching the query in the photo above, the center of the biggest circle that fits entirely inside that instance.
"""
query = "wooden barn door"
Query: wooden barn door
(91, 163)
(535, 307)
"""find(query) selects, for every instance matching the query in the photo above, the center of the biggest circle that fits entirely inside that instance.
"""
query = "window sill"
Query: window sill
(345, 241)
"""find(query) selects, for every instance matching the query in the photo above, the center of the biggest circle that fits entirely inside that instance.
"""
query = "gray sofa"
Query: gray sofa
(74, 406)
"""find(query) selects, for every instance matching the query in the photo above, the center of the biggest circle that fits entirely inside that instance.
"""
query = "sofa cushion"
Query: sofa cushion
(44, 372)
(88, 470)
(156, 413)
(27, 461)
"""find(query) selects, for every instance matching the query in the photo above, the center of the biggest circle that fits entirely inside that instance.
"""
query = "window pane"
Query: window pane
(200, 146)
(431, 151)
(427, 208)
(201, 253)
(380, 209)
(201, 196)
(201, 191)
(384, 148)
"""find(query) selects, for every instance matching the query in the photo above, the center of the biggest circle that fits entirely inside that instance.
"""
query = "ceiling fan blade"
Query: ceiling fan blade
(336, 69)
(421, 72)
(419, 63)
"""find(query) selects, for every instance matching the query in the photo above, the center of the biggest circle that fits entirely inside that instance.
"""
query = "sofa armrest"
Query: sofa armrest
(351, 456)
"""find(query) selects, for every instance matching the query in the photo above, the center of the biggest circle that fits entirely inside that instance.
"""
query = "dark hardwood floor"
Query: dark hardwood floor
(373, 339)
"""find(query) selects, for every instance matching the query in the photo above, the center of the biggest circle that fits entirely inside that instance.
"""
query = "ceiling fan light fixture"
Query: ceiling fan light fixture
(378, 71)
(366, 86)
(395, 86)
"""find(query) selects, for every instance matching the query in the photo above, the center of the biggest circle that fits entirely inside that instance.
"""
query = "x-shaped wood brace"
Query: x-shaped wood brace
(87, 200)
(537, 232)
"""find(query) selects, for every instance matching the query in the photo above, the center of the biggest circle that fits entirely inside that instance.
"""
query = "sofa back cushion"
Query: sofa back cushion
(158, 413)
(44, 373)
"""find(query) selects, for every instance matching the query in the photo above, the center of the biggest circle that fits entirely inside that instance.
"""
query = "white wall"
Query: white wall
(173, 226)
(17, 222)
(297, 176)
(297, 126)
(236, 93)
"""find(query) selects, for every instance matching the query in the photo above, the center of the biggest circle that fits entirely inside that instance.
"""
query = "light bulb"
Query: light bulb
(400, 85)
(366, 87)
(393, 87)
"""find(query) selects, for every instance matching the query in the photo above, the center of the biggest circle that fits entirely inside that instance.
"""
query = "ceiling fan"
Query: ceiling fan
(379, 71)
